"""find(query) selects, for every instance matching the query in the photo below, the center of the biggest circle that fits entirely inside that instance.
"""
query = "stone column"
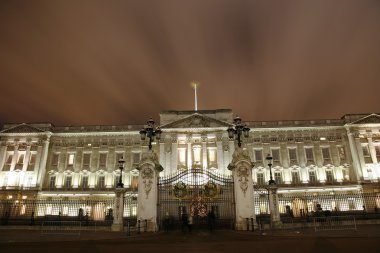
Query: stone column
(204, 153)
(118, 210)
(355, 156)
(174, 155)
(162, 157)
(219, 155)
(42, 167)
(241, 167)
(3, 154)
(273, 206)
(147, 198)
(372, 149)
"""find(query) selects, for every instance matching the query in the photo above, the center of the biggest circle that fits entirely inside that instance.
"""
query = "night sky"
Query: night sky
(121, 62)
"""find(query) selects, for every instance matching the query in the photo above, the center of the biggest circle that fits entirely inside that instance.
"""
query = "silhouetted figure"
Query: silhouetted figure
(80, 214)
(211, 220)
(185, 221)
(86, 219)
(32, 219)
(166, 222)
(190, 223)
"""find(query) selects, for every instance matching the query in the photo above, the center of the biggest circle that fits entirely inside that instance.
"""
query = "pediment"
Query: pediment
(22, 128)
(370, 119)
(196, 121)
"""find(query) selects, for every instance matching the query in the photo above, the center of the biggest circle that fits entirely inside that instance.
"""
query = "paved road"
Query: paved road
(198, 241)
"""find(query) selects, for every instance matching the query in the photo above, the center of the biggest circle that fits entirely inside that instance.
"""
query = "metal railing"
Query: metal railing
(334, 223)
(61, 228)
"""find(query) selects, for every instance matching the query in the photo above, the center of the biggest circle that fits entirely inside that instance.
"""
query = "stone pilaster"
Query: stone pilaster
(149, 169)
(118, 210)
(42, 168)
(355, 156)
(372, 150)
(241, 167)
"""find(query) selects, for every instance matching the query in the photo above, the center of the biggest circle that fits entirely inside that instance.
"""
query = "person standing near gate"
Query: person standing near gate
(166, 222)
(190, 223)
(211, 220)
(185, 221)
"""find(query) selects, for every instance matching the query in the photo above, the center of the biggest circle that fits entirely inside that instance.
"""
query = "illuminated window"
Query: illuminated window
(52, 182)
(70, 159)
(68, 182)
(377, 148)
(86, 160)
(103, 160)
(329, 176)
(197, 154)
(277, 177)
(182, 158)
(292, 154)
(366, 151)
(326, 153)
(366, 154)
(20, 159)
(8, 162)
(54, 160)
(211, 157)
(295, 177)
(85, 181)
(309, 154)
(342, 153)
(101, 182)
(260, 179)
(276, 155)
(32, 159)
(9, 159)
(258, 155)
(312, 176)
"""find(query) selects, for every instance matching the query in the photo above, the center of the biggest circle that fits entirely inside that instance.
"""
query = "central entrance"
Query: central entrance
(196, 192)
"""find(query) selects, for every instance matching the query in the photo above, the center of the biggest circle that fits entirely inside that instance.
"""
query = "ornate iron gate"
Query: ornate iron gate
(197, 192)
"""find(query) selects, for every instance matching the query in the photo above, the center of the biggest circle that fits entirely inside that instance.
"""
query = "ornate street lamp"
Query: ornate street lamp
(121, 167)
(269, 159)
(239, 129)
(151, 132)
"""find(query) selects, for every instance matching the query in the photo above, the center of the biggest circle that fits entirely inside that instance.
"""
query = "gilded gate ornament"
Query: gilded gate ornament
(211, 189)
(180, 190)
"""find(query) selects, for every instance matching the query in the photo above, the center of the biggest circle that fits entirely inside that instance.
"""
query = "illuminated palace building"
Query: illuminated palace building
(317, 165)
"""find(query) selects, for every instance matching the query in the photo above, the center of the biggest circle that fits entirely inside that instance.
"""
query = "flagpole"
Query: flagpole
(196, 98)
(195, 86)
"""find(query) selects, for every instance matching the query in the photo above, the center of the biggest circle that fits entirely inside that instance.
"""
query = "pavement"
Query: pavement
(365, 239)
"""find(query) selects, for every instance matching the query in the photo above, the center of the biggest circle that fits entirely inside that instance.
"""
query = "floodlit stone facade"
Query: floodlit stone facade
(45, 161)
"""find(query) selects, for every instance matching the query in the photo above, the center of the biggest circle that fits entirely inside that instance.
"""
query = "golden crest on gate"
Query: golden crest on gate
(180, 190)
(210, 189)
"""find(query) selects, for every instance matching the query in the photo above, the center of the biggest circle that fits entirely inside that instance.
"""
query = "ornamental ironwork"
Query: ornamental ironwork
(180, 190)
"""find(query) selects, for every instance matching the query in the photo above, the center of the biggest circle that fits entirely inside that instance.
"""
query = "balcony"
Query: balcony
(85, 189)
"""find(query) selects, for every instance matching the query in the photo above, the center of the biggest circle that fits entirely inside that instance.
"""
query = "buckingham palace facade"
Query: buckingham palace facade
(318, 165)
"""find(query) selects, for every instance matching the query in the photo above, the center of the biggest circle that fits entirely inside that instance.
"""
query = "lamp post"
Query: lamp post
(121, 167)
(239, 129)
(269, 159)
(151, 132)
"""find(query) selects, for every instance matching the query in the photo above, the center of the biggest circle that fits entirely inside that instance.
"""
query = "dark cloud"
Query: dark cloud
(120, 62)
